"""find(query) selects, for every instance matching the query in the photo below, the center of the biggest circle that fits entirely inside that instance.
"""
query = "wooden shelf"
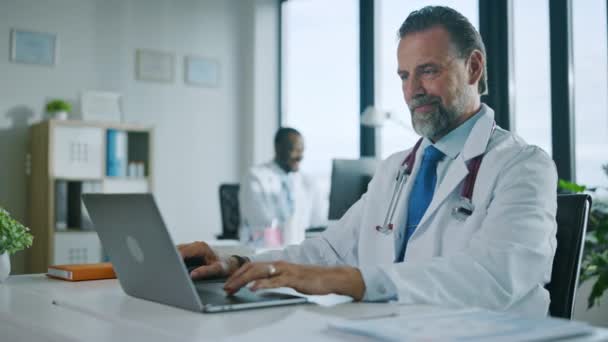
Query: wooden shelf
(105, 125)
(79, 179)
(74, 230)
(120, 178)
(47, 148)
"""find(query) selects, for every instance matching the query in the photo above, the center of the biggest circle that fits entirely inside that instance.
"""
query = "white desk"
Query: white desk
(101, 311)
(25, 316)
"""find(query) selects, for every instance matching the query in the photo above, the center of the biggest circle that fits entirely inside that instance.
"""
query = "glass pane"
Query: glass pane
(532, 72)
(590, 79)
(390, 14)
(320, 78)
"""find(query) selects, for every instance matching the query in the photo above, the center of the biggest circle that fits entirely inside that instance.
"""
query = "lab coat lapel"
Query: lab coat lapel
(475, 145)
(401, 208)
(454, 175)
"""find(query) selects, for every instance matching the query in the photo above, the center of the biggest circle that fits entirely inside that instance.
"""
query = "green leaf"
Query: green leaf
(58, 106)
(571, 186)
(598, 289)
(595, 252)
(13, 235)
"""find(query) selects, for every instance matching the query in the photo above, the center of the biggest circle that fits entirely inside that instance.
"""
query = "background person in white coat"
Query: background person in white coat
(277, 193)
(498, 257)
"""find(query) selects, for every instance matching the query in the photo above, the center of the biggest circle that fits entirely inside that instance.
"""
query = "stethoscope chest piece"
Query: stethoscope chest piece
(461, 212)
(464, 209)
(385, 229)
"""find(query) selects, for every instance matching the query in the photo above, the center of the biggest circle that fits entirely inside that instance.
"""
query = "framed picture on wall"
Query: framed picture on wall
(154, 66)
(101, 106)
(30, 47)
(201, 71)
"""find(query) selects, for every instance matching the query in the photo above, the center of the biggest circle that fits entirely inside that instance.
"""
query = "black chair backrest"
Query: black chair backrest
(229, 206)
(572, 215)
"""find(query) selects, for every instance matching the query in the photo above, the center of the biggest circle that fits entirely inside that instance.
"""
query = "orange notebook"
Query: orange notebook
(79, 272)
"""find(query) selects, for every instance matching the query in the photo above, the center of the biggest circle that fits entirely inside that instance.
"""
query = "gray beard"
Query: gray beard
(434, 124)
(438, 123)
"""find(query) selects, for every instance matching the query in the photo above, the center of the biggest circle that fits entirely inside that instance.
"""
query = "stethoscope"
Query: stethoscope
(465, 206)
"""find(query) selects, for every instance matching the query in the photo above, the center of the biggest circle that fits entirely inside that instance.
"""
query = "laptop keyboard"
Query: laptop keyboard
(211, 292)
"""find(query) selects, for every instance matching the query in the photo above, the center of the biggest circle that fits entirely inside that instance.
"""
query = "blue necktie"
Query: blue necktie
(421, 194)
(287, 205)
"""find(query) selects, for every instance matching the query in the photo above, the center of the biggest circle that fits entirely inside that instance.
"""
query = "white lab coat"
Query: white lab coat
(258, 201)
(499, 258)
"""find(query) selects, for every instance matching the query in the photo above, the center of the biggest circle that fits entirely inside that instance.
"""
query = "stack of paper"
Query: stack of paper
(458, 325)
(469, 325)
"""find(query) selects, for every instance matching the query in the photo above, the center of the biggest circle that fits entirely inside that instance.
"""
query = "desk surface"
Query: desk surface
(105, 301)
(25, 316)
(101, 311)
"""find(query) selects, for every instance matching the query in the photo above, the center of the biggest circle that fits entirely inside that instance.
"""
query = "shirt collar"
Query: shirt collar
(453, 143)
(284, 174)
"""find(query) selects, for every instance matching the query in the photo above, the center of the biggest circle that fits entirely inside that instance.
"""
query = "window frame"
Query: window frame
(497, 36)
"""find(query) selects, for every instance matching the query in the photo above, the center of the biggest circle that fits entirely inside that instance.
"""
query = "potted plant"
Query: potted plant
(13, 238)
(595, 254)
(58, 109)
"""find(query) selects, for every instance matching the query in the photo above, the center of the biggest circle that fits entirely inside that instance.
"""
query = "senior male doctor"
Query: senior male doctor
(495, 252)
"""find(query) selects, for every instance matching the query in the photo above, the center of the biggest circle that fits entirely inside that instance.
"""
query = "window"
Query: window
(320, 80)
(532, 72)
(591, 87)
(390, 14)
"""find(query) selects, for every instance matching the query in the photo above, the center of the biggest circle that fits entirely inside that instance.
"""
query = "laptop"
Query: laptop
(148, 265)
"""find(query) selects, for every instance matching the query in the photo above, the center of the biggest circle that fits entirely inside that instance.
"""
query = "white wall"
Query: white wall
(260, 76)
(203, 136)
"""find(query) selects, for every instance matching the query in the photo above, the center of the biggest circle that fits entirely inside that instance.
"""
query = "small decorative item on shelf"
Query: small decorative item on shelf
(58, 109)
(136, 169)
(13, 238)
(132, 170)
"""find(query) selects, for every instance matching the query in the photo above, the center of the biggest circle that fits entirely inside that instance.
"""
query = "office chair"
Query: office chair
(229, 206)
(572, 214)
(349, 180)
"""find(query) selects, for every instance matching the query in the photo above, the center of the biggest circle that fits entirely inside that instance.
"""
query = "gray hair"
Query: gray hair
(462, 33)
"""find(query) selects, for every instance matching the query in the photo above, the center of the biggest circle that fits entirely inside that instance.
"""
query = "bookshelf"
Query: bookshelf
(67, 158)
